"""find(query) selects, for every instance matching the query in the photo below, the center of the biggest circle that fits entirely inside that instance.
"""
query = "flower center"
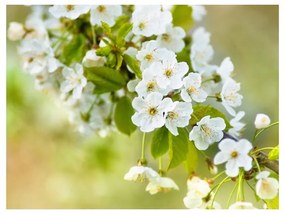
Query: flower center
(206, 130)
(165, 37)
(101, 8)
(69, 7)
(148, 57)
(141, 26)
(234, 154)
(172, 115)
(191, 90)
(152, 111)
(168, 72)
(150, 86)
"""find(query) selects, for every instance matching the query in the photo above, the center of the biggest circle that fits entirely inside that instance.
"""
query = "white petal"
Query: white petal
(245, 161)
(263, 174)
(243, 146)
(232, 168)
(227, 145)
(221, 157)
(138, 103)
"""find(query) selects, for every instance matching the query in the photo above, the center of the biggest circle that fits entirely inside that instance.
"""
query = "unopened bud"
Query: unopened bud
(212, 167)
(261, 121)
(16, 31)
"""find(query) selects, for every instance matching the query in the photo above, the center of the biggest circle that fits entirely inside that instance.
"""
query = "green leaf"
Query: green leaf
(178, 148)
(111, 60)
(182, 16)
(274, 154)
(106, 28)
(192, 158)
(159, 143)
(184, 56)
(123, 114)
(201, 111)
(75, 50)
(105, 79)
(133, 64)
(104, 51)
(122, 33)
(273, 203)
(119, 22)
(119, 61)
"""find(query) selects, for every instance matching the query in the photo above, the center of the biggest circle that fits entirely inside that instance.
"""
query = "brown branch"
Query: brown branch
(263, 160)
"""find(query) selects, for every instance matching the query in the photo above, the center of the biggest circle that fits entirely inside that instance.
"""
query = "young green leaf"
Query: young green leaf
(178, 148)
(119, 61)
(105, 79)
(123, 114)
(123, 32)
(104, 51)
(182, 16)
(201, 111)
(273, 203)
(133, 64)
(192, 158)
(274, 154)
(74, 50)
(159, 143)
(106, 28)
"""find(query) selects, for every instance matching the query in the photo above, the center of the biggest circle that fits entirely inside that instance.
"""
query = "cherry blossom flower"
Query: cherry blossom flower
(230, 96)
(141, 174)
(266, 187)
(16, 31)
(235, 154)
(69, 11)
(91, 59)
(198, 12)
(160, 184)
(74, 81)
(150, 111)
(207, 131)
(172, 39)
(147, 55)
(226, 68)
(261, 121)
(242, 205)
(179, 116)
(237, 126)
(105, 13)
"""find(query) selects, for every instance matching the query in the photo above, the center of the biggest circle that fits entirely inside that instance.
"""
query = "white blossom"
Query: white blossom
(201, 37)
(198, 12)
(147, 55)
(266, 187)
(161, 184)
(242, 205)
(131, 85)
(237, 126)
(172, 39)
(16, 31)
(105, 13)
(230, 96)
(261, 121)
(150, 111)
(178, 116)
(192, 88)
(68, 11)
(149, 83)
(225, 69)
(208, 131)
(74, 81)
(141, 174)
(150, 20)
(235, 154)
(91, 59)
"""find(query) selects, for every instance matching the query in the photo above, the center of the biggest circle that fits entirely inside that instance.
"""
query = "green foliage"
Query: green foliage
(106, 28)
(178, 148)
(123, 114)
(274, 154)
(273, 204)
(122, 33)
(192, 158)
(105, 79)
(133, 64)
(104, 51)
(74, 50)
(159, 143)
(182, 16)
(201, 111)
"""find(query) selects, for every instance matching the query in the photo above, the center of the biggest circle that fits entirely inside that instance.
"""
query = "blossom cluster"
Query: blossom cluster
(94, 56)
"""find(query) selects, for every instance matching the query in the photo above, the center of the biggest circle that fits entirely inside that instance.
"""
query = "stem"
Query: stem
(143, 147)
(93, 35)
(256, 163)
(218, 187)
(262, 130)
(160, 166)
(239, 191)
(261, 149)
(231, 194)
(218, 175)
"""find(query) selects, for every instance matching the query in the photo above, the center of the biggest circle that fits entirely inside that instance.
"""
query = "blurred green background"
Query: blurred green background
(49, 165)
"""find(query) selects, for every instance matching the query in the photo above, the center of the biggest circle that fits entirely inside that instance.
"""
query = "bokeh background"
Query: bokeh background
(49, 165)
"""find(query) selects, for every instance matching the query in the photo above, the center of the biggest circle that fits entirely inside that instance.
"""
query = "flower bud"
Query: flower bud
(261, 121)
(16, 31)
(212, 167)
